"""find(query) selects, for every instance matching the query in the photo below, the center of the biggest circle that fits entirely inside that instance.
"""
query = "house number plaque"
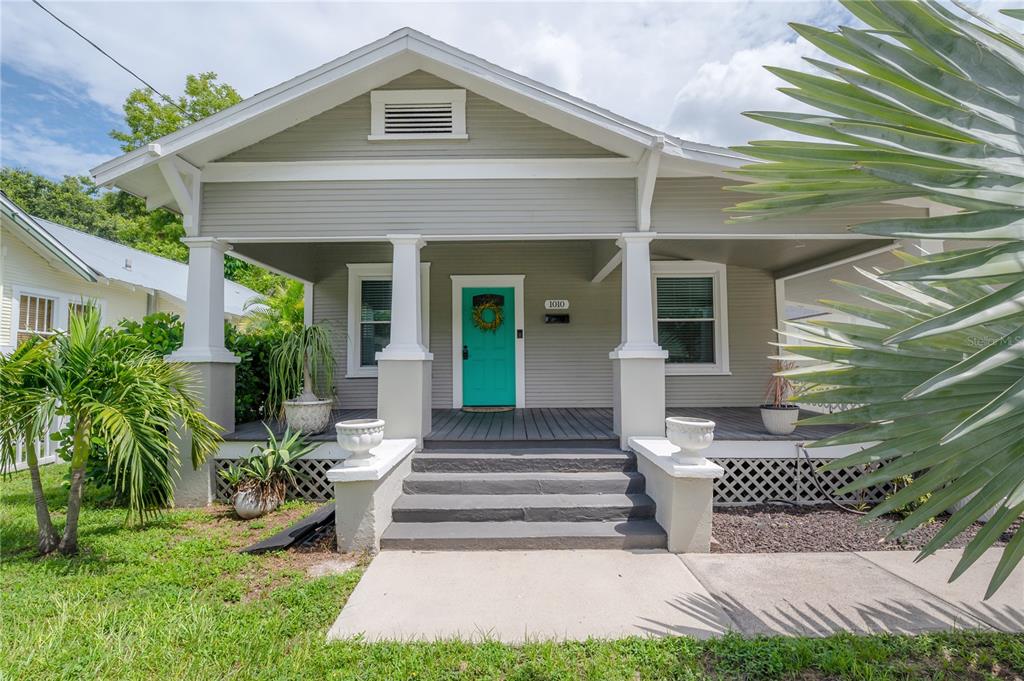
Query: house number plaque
(556, 304)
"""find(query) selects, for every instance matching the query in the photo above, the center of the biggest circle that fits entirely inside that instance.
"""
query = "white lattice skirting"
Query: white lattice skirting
(750, 481)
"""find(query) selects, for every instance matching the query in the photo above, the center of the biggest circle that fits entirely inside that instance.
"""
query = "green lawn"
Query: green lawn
(176, 601)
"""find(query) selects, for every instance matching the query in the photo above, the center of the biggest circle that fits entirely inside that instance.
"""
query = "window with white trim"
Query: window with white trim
(417, 115)
(690, 314)
(35, 316)
(369, 314)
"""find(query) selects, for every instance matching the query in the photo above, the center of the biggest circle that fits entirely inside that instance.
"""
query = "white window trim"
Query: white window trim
(60, 314)
(697, 268)
(357, 273)
(514, 281)
(378, 98)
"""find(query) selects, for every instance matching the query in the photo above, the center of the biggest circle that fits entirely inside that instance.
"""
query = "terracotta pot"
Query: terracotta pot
(691, 435)
(781, 419)
(308, 416)
(248, 505)
(358, 437)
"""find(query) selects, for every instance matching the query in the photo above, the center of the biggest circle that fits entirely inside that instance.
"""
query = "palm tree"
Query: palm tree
(927, 102)
(279, 310)
(127, 400)
(26, 411)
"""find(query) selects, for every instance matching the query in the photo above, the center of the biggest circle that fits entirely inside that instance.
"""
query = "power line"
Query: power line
(111, 58)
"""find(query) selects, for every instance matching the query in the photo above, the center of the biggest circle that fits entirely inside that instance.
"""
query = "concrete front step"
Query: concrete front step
(600, 482)
(519, 535)
(561, 462)
(430, 508)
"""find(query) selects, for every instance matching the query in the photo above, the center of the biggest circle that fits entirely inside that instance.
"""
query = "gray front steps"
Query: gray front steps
(600, 482)
(428, 508)
(465, 536)
(531, 461)
(526, 499)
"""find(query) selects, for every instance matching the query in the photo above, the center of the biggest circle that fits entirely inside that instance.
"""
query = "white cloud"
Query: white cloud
(34, 147)
(709, 105)
(690, 67)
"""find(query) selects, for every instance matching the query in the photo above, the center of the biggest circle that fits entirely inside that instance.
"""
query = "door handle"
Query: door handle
(465, 352)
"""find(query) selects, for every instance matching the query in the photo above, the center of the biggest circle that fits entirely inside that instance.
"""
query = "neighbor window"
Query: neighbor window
(35, 316)
(690, 314)
(417, 114)
(369, 314)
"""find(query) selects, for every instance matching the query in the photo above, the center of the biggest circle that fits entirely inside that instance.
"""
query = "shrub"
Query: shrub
(164, 332)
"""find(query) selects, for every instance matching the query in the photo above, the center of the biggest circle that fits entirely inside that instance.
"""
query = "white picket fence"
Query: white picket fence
(46, 450)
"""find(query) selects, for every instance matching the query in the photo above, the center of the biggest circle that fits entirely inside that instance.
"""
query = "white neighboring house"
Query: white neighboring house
(46, 269)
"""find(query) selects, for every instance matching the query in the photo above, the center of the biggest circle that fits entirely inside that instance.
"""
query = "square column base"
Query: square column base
(404, 398)
(682, 494)
(215, 386)
(638, 385)
(364, 495)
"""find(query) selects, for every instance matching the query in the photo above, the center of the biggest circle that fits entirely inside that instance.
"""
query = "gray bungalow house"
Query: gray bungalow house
(477, 239)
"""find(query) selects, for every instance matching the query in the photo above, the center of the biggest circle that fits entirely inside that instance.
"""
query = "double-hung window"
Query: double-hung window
(369, 314)
(35, 316)
(690, 309)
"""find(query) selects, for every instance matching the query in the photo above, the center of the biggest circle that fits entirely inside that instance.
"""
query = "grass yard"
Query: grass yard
(176, 601)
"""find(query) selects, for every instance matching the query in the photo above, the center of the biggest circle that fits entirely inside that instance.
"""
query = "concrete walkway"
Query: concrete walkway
(515, 596)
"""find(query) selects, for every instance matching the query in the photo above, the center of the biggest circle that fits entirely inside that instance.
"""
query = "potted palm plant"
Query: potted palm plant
(259, 483)
(777, 413)
(301, 378)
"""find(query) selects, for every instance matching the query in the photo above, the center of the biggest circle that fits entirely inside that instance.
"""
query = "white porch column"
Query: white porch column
(213, 365)
(404, 366)
(638, 363)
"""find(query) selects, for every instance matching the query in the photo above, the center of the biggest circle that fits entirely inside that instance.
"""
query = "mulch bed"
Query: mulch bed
(773, 528)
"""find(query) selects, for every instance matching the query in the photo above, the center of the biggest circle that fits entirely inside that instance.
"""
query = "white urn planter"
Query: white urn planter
(248, 505)
(308, 416)
(780, 419)
(358, 437)
(691, 436)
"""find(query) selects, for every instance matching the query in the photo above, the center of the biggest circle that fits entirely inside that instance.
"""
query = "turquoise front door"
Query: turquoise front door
(488, 347)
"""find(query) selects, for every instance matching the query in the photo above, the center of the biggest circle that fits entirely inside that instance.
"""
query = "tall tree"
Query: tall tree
(928, 101)
(148, 116)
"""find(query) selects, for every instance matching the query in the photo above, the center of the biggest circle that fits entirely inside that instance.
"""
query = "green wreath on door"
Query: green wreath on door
(497, 316)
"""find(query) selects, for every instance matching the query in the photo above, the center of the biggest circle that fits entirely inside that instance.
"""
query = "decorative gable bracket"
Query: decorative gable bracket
(183, 179)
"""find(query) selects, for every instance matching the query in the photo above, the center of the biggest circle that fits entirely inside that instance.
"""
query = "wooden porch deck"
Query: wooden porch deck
(578, 424)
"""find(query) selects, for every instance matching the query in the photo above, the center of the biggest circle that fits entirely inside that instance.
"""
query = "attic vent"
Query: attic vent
(418, 119)
(417, 114)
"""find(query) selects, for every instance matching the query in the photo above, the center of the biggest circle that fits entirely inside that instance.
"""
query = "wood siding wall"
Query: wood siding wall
(565, 365)
(695, 205)
(319, 210)
(495, 131)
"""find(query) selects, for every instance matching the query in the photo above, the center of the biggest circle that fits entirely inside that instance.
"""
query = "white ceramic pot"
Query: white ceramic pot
(248, 506)
(780, 420)
(358, 437)
(691, 435)
(984, 517)
(309, 417)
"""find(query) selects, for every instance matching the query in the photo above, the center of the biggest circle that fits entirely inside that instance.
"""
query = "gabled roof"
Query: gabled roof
(131, 266)
(373, 65)
(97, 259)
(42, 242)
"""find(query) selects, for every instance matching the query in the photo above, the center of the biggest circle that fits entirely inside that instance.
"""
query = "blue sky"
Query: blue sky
(688, 67)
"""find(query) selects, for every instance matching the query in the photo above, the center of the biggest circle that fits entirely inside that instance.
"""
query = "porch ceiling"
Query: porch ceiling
(779, 256)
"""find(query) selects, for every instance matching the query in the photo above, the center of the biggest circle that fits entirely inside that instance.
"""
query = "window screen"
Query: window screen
(374, 320)
(686, 319)
(35, 316)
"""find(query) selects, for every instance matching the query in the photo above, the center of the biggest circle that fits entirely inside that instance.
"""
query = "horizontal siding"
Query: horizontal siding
(696, 205)
(566, 365)
(495, 131)
(24, 268)
(751, 320)
(368, 208)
